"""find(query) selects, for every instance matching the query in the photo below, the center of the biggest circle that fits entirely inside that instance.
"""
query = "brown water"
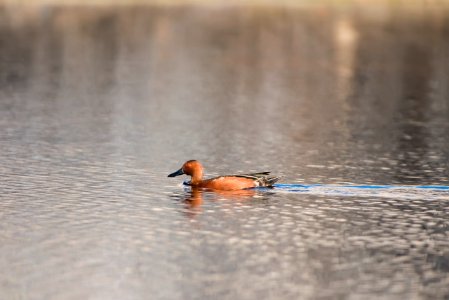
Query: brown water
(99, 104)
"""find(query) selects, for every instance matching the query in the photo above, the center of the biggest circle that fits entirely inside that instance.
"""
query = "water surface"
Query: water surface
(99, 104)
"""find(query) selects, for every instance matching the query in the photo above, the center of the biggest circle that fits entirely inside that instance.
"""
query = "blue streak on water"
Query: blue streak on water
(430, 192)
(308, 186)
(433, 187)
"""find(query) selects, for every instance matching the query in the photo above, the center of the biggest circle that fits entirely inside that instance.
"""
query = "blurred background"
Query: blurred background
(101, 100)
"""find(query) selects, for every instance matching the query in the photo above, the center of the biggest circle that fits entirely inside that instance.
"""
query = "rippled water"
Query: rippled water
(99, 104)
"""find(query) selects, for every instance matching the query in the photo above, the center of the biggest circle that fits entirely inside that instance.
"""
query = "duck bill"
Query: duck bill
(177, 173)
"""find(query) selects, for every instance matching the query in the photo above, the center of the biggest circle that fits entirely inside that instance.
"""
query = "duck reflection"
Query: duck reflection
(195, 198)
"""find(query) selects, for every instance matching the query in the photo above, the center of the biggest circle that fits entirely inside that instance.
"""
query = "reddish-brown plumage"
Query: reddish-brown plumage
(227, 183)
(194, 169)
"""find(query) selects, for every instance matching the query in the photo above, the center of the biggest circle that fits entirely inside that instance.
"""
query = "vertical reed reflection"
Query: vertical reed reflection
(414, 109)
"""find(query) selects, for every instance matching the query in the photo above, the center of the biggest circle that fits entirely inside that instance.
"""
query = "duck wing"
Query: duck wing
(261, 178)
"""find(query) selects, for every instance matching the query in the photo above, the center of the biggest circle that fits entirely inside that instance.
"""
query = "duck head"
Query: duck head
(192, 168)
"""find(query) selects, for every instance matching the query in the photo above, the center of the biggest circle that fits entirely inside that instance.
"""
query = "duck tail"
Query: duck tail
(268, 181)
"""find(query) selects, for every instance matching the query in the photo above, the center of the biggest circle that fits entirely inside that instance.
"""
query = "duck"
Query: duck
(194, 169)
